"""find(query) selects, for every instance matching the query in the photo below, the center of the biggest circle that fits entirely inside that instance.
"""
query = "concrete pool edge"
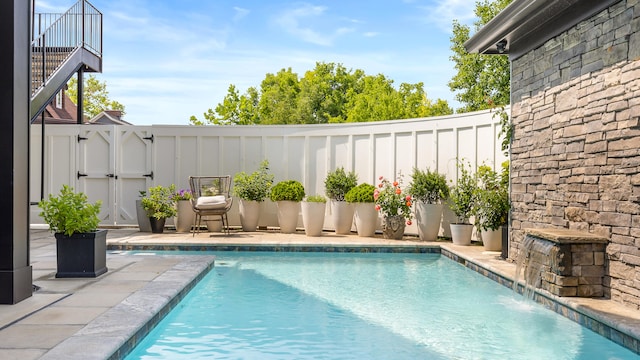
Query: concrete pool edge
(117, 331)
(623, 331)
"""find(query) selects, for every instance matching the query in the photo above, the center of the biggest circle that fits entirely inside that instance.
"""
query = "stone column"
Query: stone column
(15, 268)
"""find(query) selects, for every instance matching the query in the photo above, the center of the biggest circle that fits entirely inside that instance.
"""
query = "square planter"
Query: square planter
(81, 254)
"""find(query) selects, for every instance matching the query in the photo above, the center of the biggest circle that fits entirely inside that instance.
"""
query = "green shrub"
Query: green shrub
(159, 202)
(70, 212)
(463, 194)
(361, 193)
(339, 182)
(288, 190)
(428, 186)
(316, 198)
(254, 187)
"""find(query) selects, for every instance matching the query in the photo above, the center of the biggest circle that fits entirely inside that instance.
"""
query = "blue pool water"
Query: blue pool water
(362, 306)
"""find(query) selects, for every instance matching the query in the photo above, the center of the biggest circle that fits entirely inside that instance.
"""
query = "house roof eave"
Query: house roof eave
(527, 24)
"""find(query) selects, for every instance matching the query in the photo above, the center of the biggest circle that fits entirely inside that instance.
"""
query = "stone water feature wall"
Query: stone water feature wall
(575, 158)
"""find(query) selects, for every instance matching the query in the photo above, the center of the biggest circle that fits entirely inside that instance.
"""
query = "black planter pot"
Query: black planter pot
(81, 254)
(157, 225)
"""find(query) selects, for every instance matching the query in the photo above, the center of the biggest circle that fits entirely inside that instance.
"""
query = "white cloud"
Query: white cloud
(240, 13)
(291, 21)
(443, 12)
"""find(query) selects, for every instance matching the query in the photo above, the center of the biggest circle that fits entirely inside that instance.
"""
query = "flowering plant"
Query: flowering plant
(183, 194)
(391, 200)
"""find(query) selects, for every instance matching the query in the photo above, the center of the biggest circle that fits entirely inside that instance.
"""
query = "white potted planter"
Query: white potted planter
(249, 214)
(185, 217)
(287, 195)
(461, 233)
(313, 210)
(366, 219)
(342, 216)
(429, 190)
(428, 218)
(492, 239)
(337, 184)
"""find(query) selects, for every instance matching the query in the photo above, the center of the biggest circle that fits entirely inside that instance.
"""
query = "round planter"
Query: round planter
(313, 217)
(428, 218)
(157, 225)
(249, 214)
(461, 234)
(366, 219)
(214, 224)
(288, 216)
(342, 215)
(492, 239)
(393, 227)
(185, 218)
(143, 218)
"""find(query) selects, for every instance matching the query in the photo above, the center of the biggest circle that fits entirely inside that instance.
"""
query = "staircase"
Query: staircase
(61, 45)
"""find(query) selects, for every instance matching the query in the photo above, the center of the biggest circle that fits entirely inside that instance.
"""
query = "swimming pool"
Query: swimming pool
(357, 306)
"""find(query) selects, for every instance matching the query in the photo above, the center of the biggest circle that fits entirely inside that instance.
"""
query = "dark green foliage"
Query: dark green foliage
(338, 183)
(428, 186)
(159, 202)
(254, 187)
(360, 193)
(288, 190)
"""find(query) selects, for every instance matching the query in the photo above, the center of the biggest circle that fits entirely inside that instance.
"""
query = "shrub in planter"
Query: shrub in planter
(252, 189)
(492, 199)
(159, 206)
(337, 184)
(462, 202)
(429, 190)
(80, 247)
(288, 195)
(366, 216)
(313, 209)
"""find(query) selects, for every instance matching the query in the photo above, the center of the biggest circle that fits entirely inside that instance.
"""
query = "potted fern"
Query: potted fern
(287, 195)
(313, 209)
(337, 184)
(252, 189)
(365, 215)
(462, 198)
(81, 249)
(429, 190)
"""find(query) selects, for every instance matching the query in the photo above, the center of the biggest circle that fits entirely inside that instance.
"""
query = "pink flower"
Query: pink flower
(395, 183)
(408, 198)
(379, 185)
(381, 177)
(409, 222)
(378, 207)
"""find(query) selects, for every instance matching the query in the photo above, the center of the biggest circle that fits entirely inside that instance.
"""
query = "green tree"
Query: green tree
(482, 81)
(96, 97)
(327, 94)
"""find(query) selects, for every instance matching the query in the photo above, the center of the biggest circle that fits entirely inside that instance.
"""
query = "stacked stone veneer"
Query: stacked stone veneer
(575, 157)
(570, 263)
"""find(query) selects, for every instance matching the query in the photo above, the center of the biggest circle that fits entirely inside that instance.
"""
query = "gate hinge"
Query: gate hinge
(149, 175)
(150, 138)
(81, 138)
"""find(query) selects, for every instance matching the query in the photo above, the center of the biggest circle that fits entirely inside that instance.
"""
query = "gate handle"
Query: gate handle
(112, 176)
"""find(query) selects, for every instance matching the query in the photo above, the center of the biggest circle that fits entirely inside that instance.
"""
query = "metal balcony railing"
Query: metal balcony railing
(55, 37)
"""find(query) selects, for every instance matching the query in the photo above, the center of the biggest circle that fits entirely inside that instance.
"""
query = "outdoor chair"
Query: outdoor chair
(211, 197)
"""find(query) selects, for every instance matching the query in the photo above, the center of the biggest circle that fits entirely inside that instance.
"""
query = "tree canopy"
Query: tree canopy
(482, 81)
(96, 97)
(327, 94)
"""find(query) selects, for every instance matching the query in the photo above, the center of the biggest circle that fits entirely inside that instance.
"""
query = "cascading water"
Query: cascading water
(535, 257)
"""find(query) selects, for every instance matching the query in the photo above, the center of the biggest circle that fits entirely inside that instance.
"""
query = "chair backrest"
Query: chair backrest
(210, 185)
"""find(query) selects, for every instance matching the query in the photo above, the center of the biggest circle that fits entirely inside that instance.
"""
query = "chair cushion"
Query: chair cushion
(211, 202)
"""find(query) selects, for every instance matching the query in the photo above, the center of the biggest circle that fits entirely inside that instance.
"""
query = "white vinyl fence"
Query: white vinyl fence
(114, 163)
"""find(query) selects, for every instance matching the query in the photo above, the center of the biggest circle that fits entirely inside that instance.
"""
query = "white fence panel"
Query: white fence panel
(301, 152)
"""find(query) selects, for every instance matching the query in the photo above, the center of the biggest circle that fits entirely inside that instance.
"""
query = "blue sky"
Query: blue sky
(166, 60)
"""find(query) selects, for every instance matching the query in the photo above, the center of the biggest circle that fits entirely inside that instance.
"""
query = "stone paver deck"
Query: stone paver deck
(93, 318)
